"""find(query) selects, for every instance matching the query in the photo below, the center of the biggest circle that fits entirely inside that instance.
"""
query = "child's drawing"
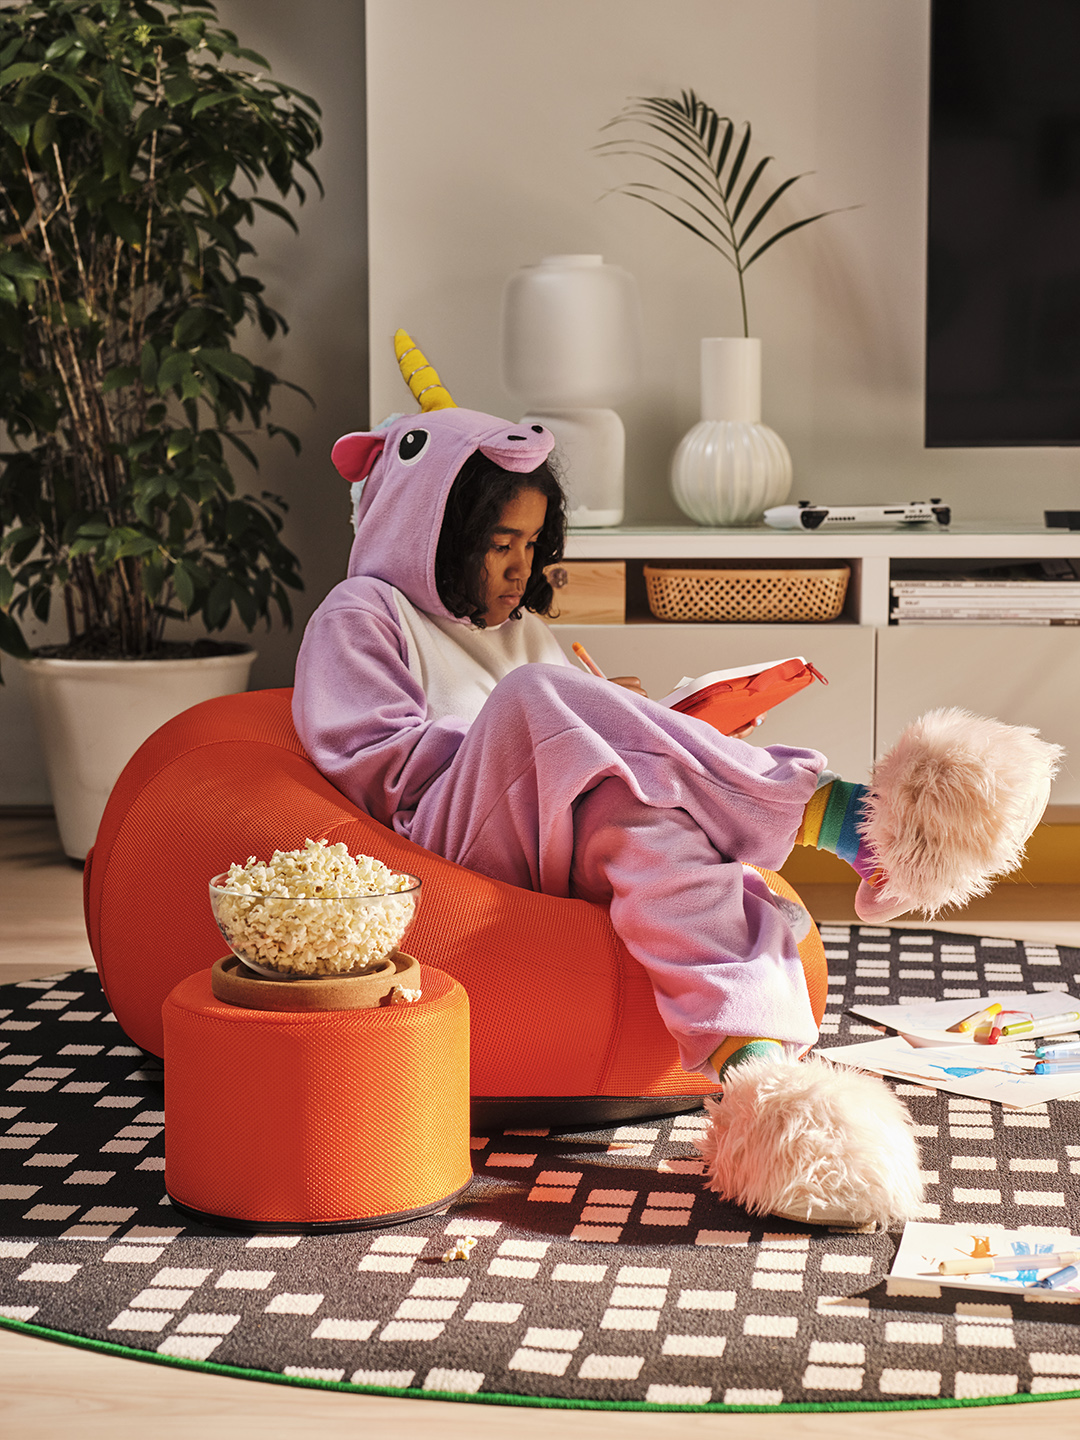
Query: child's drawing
(925, 1245)
(1005, 1076)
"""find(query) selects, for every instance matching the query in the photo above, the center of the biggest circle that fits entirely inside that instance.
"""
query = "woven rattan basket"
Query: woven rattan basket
(747, 595)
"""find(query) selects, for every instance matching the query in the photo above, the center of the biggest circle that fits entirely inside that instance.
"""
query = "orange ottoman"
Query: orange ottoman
(304, 1121)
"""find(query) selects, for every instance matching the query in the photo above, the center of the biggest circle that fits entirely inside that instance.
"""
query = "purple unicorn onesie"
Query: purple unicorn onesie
(488, 747)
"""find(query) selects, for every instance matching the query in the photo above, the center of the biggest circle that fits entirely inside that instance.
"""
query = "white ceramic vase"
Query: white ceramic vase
(730, 468)
(92, 715)
(570, 350)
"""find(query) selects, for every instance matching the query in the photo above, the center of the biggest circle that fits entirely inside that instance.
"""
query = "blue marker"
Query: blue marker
(1056, 1052)
(1059, 1277)
(1057, 1067)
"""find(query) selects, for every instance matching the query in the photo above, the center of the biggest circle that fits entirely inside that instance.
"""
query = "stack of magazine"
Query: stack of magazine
(1045, 592)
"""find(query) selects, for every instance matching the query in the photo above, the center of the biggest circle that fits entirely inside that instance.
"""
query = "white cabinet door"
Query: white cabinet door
(1024, 675)
(837, 719)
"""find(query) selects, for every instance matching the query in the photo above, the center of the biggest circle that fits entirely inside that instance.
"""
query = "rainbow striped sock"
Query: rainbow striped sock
(831, 822)
(737, 1049)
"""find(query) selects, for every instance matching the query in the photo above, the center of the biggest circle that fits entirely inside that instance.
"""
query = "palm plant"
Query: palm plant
(715, 197)
(132, 145)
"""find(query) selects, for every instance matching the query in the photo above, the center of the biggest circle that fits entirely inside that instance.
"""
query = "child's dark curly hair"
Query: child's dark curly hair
(473, 509)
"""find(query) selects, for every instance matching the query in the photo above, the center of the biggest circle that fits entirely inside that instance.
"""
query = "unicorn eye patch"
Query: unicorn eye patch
(412, 446)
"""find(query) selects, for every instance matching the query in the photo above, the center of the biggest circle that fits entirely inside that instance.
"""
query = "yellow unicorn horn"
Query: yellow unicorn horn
(420, 376)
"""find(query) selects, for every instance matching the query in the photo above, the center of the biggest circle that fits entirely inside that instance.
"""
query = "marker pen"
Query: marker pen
(995, 1264)
(587, 660)
(1044, 1025)
(1058, 1052)
(1059, 1277)
(971, 1022)
(1057, 1067)
(1001, 1020)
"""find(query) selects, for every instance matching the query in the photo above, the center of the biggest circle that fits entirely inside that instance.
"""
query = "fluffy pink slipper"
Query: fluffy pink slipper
(950, 809)
(812, 1142)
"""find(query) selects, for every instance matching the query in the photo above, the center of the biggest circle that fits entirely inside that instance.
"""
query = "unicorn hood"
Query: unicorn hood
(387, 680)
(402, 472)
(406, 472)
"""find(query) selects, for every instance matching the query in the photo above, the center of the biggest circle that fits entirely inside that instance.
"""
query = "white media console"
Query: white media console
(881, 675)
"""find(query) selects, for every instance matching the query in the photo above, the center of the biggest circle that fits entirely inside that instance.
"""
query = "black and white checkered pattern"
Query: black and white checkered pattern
(602, 1272)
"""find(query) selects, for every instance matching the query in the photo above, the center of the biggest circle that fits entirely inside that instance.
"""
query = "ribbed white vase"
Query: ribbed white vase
(729, 468)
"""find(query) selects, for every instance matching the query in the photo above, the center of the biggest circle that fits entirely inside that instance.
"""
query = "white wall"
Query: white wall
(482, 115)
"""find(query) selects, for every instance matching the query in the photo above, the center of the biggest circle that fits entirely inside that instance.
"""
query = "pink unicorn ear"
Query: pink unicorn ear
(354, 455)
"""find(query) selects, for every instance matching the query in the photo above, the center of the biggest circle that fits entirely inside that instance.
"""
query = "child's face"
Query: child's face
(509, 558)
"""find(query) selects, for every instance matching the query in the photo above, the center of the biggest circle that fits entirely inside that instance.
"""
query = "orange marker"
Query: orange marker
(587, 660)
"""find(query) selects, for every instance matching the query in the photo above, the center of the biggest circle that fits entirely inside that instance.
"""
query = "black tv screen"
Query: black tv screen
(1003, 270)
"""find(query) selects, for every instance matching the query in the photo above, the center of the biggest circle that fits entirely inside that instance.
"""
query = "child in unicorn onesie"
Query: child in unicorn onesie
(429, 691)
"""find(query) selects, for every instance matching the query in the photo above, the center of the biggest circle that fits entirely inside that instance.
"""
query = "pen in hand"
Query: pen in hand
(587, 660)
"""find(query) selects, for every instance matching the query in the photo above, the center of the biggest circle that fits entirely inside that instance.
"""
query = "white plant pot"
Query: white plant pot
(730, 468)
(92, 716)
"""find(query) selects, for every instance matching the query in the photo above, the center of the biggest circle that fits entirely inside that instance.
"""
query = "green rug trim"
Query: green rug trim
(490, 1397)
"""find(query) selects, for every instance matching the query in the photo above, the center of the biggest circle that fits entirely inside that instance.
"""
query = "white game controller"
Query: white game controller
(805, 516)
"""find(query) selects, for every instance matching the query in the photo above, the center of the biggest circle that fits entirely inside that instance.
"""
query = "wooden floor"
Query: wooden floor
(50, 1391)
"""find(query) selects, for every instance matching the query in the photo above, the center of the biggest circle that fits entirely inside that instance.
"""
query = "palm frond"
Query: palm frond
(737, 163)
(697, 136)
(683, 135)
(714, 125)
(755, 176)
(635, 186)
(712, 197)
(769, 203)
(729, 136)
(642, 148)
(705, 157)
(787, 230)
(679, 220)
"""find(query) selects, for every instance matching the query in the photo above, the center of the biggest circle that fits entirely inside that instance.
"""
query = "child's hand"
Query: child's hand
(629, 682)
(747, 730)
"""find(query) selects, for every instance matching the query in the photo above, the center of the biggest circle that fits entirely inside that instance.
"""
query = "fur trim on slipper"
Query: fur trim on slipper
(813, 1142)
(951, 806)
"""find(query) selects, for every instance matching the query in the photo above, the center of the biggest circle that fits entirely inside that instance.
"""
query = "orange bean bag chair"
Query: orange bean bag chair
(564, 1028)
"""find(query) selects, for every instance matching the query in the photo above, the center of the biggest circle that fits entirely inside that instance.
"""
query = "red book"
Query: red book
(731, 699)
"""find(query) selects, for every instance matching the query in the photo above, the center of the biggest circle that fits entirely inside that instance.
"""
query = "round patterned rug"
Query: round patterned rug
(603, 1274)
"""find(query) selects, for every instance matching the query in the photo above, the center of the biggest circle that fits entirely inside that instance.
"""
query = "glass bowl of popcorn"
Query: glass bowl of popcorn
(313, 912)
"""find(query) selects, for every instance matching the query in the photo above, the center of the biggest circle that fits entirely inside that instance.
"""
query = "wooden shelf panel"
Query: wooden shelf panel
(642, 542)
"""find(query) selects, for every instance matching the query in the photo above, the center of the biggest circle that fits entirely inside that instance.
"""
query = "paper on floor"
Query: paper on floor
(958, 1069)
(924, 1245)
(926, 1022)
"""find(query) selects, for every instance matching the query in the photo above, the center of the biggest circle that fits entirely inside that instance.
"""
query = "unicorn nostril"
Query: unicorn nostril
(517, 437)
(538, 429)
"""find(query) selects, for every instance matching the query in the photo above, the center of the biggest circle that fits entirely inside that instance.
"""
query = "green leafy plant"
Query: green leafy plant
(133, 140)
(715, 194)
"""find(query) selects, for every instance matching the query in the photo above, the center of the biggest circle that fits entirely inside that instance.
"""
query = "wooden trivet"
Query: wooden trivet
(233, 982)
